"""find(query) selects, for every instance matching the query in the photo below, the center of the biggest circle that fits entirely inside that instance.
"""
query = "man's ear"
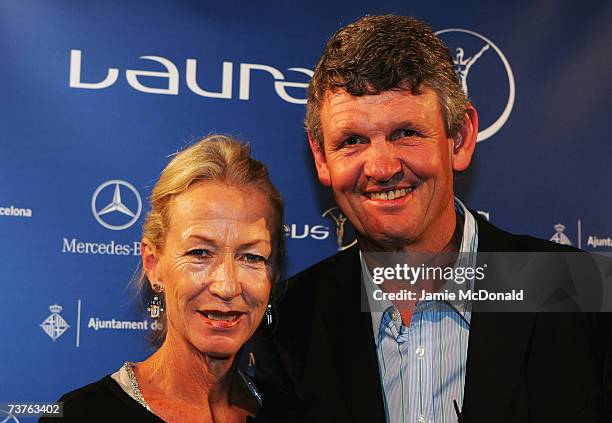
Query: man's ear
(150, 260)
(464, 142)
(320, 161)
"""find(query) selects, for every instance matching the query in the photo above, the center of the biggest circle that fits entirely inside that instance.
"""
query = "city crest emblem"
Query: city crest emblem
(6, 417)
(55, 325)
(559, 236)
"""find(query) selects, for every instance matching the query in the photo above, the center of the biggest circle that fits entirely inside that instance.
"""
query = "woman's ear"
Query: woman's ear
(150, 260)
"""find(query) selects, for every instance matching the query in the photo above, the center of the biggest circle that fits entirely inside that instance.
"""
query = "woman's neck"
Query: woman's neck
(178, 370)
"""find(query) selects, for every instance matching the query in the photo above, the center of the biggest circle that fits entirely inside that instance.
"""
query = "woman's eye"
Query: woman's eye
(199, 252)
(253, 258)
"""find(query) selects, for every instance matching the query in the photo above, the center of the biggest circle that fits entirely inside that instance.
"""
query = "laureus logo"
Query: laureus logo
(116, 204)
(340, 220)
(479, 63)
(290, 91)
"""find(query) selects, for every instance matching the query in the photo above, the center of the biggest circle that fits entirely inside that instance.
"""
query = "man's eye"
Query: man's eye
(199, 252)
(404, 133)
(253, 258)
(352, 140)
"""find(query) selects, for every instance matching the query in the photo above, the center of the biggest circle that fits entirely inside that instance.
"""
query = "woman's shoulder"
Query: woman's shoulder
(101, 401)
(96, 391)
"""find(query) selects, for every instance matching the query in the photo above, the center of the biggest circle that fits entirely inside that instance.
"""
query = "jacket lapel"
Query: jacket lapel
(352, 343)
(497, 347)
(496, 353)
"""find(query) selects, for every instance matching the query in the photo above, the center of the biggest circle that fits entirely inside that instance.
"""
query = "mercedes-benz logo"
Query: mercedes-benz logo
(116, 206)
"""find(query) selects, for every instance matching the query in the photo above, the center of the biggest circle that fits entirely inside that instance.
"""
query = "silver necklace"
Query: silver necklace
(129, 368)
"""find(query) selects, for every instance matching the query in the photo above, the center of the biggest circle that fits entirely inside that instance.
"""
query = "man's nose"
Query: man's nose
(382, 164)
(224, 279)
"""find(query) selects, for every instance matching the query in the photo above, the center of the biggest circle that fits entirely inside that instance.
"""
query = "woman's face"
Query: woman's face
(215, 266)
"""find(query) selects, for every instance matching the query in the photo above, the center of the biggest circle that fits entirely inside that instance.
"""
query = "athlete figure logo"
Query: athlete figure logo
(457, 39)
(463, 65)
(340, 220)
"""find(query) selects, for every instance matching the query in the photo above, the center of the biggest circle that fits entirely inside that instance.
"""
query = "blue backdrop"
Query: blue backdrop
(94, 96)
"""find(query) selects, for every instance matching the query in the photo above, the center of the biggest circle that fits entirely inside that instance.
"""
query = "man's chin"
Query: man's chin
(387, 240)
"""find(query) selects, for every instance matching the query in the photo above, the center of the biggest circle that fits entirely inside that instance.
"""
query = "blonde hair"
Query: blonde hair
(216, 158)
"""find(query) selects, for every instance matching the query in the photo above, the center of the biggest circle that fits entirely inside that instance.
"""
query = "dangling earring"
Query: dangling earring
(156, 305)
(269, 317)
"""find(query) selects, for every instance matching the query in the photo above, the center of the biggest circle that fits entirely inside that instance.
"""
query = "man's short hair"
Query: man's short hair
(381, 53)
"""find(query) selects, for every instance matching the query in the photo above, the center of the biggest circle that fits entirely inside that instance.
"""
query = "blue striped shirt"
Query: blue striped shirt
(422, 367)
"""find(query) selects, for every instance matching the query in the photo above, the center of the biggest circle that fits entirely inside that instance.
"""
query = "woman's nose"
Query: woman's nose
(224, 281)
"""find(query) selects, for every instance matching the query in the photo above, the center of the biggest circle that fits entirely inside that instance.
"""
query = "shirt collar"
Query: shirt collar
(469, 239)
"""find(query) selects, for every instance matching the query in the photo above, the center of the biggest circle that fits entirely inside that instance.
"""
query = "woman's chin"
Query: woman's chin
(221, 349)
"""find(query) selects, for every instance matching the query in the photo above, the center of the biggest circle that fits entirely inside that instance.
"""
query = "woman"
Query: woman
(211, 250)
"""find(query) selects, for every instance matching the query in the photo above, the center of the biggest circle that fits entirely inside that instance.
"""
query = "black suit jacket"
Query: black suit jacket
(521, 367)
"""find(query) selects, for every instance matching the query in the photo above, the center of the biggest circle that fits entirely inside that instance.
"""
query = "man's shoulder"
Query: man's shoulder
(491, 238)
(331, 267)
(320, 282)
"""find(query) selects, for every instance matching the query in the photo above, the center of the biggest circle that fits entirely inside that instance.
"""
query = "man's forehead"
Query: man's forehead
(340, 95)
(339, 103)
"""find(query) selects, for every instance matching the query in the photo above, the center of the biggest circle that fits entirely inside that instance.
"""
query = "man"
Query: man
(388, 126)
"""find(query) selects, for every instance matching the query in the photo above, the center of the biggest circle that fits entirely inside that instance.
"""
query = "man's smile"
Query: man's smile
(391, 194)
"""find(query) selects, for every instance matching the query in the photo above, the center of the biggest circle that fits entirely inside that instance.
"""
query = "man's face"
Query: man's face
(390, 165)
